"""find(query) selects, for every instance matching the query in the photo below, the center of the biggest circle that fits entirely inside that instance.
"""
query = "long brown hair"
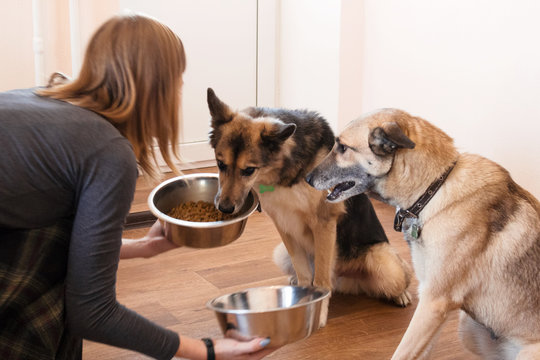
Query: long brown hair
(132, 76)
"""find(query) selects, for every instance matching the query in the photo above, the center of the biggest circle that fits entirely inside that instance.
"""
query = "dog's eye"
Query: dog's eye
(221, 165)
(248, 171)
(341, 148)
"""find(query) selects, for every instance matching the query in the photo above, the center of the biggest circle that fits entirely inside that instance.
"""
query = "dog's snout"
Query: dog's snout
(226, 209)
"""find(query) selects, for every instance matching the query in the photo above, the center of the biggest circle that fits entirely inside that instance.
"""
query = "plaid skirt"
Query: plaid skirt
(33, 266)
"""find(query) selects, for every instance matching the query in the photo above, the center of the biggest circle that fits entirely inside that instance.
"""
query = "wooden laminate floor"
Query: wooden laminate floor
(173, 288)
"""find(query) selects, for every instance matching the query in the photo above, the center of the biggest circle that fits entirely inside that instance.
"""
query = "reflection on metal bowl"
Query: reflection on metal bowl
(285, 314)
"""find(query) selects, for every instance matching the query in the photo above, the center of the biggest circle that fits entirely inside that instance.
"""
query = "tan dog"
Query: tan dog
(475, 242)
(272, 150)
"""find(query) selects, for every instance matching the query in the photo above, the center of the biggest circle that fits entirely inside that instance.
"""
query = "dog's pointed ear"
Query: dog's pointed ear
(388, 138)
(220, 112)
(279, 133)
(285, 131)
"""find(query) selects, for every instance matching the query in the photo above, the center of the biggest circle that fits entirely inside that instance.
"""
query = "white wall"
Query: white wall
(309, 56)
(350, 61)
(470, 67)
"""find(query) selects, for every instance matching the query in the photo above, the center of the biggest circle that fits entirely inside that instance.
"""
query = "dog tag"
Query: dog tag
(415, 231)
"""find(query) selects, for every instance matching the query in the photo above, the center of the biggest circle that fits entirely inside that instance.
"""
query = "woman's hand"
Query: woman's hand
(224, 349)
(152, 244)
(232, 349)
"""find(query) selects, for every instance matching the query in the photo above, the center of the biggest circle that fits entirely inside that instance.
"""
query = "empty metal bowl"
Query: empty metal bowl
(195, 187)
(285, 314)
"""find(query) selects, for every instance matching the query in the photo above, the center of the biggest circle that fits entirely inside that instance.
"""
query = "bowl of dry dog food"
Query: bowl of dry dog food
(185, 205)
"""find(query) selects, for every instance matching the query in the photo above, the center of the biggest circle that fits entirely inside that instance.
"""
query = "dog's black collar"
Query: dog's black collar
(415, 209)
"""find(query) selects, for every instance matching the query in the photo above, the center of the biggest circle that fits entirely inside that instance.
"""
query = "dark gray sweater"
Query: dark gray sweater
(57, 161)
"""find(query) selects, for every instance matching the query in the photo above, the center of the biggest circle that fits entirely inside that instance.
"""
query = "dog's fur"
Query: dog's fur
(479, 246)
(276, 147)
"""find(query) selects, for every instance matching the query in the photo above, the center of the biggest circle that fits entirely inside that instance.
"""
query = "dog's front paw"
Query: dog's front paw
(403, 299)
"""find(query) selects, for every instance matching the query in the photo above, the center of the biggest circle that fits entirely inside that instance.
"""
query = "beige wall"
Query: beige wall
(92, 13)
(57, 49)
(17, 62)
(17, 40)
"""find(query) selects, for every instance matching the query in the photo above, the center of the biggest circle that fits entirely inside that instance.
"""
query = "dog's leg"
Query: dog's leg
(324, 238)
(380, 273)
(428, 318)
(302, 266)
(529, 352)
(299, 258)
(324, 242)
(426, 354)
(325, 258)
(390, 274)
(471, 334)
(477, 339)
(480, 341)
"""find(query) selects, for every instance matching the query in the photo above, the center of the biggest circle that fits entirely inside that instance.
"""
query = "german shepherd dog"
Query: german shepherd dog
(475, 244)
(272, 150)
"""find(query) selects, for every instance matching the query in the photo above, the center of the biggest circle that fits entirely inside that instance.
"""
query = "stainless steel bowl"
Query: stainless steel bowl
(285, 314)
(195, 187)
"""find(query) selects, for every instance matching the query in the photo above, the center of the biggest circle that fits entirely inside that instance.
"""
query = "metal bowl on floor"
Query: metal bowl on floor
(285, 314)
(195, 187)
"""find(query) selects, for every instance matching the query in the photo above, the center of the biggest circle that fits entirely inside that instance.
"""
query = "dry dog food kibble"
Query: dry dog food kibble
(200, 211)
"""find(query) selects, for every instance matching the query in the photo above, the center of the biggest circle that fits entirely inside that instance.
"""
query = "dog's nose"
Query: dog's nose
(226, 210)
(309, 179)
